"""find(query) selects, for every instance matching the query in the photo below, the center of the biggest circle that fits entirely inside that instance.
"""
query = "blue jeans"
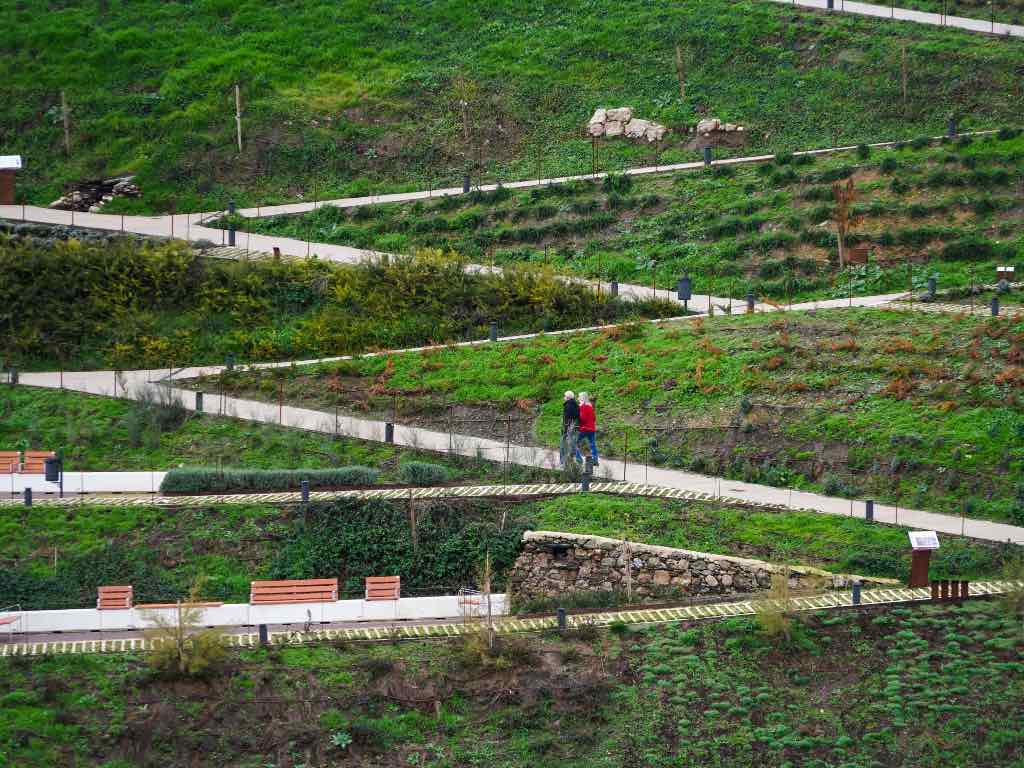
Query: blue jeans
(591, 438)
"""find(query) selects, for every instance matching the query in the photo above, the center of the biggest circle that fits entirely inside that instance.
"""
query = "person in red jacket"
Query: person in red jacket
(588, 424)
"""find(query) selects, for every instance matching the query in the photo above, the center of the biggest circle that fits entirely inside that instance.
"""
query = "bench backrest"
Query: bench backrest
(294, 591)
(10, 462)
(114, 598)
(35, 462)
(383, 587)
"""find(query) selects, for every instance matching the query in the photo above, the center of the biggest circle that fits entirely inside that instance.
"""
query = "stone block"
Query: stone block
(620, 114)
(613, 128)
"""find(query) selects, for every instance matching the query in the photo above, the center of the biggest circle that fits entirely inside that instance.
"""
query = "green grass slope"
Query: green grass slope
(952, 211)
(341, 97)
(920, 409)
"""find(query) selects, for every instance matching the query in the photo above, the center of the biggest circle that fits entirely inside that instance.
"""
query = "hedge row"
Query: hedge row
(202, 480)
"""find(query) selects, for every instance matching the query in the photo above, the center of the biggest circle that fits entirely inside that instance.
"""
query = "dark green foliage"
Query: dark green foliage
(353, 540)
(423, 473)
(619, 183)
(203, 480)
(863, 151)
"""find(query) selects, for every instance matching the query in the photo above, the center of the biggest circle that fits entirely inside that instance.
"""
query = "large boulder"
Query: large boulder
(621, 114)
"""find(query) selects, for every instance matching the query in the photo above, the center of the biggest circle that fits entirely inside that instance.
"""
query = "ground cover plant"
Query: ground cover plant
(124, 305)
(999, 11)
(947, 209)
(921, 409)
(56, 557)
(105, 434)
(344, 98)
(914, 687)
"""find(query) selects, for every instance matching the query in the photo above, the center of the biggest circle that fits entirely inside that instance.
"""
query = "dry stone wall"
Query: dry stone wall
(552, 564)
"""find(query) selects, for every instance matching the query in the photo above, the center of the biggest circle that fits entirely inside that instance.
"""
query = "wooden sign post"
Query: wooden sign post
(922, 543)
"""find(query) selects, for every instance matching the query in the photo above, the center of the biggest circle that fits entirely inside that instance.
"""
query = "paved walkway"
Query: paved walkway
(84, 482)
(829, 601)
(132, 383)
(918, 17)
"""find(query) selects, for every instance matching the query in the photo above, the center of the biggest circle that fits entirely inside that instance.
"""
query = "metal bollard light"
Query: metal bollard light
(932, 285)
(14, 376)
(389, 433)
(199, 402)
(304, 486)
(856, 593)
(560, 613)
(493, 336)
(831, 4)
(465, 183)
(229, 362)
(27, 496)
(750, 301)
(615, 288)
(264, 635)
(951, 127)
(995, 306)
(869, 510)
(707, 156)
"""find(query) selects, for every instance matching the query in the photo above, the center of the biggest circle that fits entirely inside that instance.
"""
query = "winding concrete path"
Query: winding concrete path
(132, 384)
(906, 14)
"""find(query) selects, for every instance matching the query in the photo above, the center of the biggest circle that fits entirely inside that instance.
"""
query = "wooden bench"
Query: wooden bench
(114, 598)
(35, 462)
(10, 462)
(293, 591)
(383, 587)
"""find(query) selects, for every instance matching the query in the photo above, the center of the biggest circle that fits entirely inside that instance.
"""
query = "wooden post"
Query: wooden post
(67, 123)
(903, 75)
(238, 116)
(681, 72)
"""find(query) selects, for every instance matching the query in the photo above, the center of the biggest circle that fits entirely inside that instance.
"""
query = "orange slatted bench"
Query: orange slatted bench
(383, 587)
(10, 462)
(35, 462)
(114, 598)
(294, 591)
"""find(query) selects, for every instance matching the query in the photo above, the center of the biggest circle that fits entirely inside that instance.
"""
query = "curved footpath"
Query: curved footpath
(132, 384)
(906, 14)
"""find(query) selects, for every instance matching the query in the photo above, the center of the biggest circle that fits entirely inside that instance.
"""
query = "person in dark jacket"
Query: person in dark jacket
(570, 425)
(588, 427)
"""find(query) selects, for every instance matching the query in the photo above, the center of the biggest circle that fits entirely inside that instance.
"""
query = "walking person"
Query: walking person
(588, 426)
(570, 423)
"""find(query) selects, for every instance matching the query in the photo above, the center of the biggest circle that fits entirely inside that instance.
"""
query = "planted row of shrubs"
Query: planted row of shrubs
(201, 480)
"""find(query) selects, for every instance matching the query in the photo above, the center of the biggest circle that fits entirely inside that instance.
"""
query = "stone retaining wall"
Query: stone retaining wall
(553, 563)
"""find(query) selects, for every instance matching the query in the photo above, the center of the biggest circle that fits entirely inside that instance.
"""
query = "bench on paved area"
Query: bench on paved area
(293, 591)
(383, 587)
(10, 462)
(35, 462)
(114, 598)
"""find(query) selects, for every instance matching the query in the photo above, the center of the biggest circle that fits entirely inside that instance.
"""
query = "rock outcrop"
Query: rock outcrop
(91, 196)
(553, 563)
(621, 122)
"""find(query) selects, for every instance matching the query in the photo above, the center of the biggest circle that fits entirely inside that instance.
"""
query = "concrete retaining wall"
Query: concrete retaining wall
(243, 614)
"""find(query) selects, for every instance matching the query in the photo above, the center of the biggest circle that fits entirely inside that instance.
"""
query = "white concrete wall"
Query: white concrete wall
(242, 614)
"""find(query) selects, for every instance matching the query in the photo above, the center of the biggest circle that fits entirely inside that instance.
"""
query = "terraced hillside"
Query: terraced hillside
(342, 97)
(918, 408)
(952, 210)
(915, 687)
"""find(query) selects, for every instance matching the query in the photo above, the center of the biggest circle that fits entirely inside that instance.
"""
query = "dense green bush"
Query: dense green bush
(204, 480)
(423, 473)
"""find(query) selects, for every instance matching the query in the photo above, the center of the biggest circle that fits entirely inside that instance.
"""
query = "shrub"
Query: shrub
(863, 151)
(1007, 133)
(784, 158)
(620, 183)
(920, 142)
(836, 174)
(423, 473)
(972, 247)
(208, 480)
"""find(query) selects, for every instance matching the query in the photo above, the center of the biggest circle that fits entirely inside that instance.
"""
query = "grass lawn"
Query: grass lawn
(341, 98)
(104, 434)
(914, 687)
(916, 408)
(951, 211)
(56, 557)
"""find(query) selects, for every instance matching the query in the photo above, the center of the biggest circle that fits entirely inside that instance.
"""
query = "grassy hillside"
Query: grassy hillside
(160, 551)
(923, 687)
(121, 305)
(920, 409)
(952, 211)
(104, 434)
(341, 97)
